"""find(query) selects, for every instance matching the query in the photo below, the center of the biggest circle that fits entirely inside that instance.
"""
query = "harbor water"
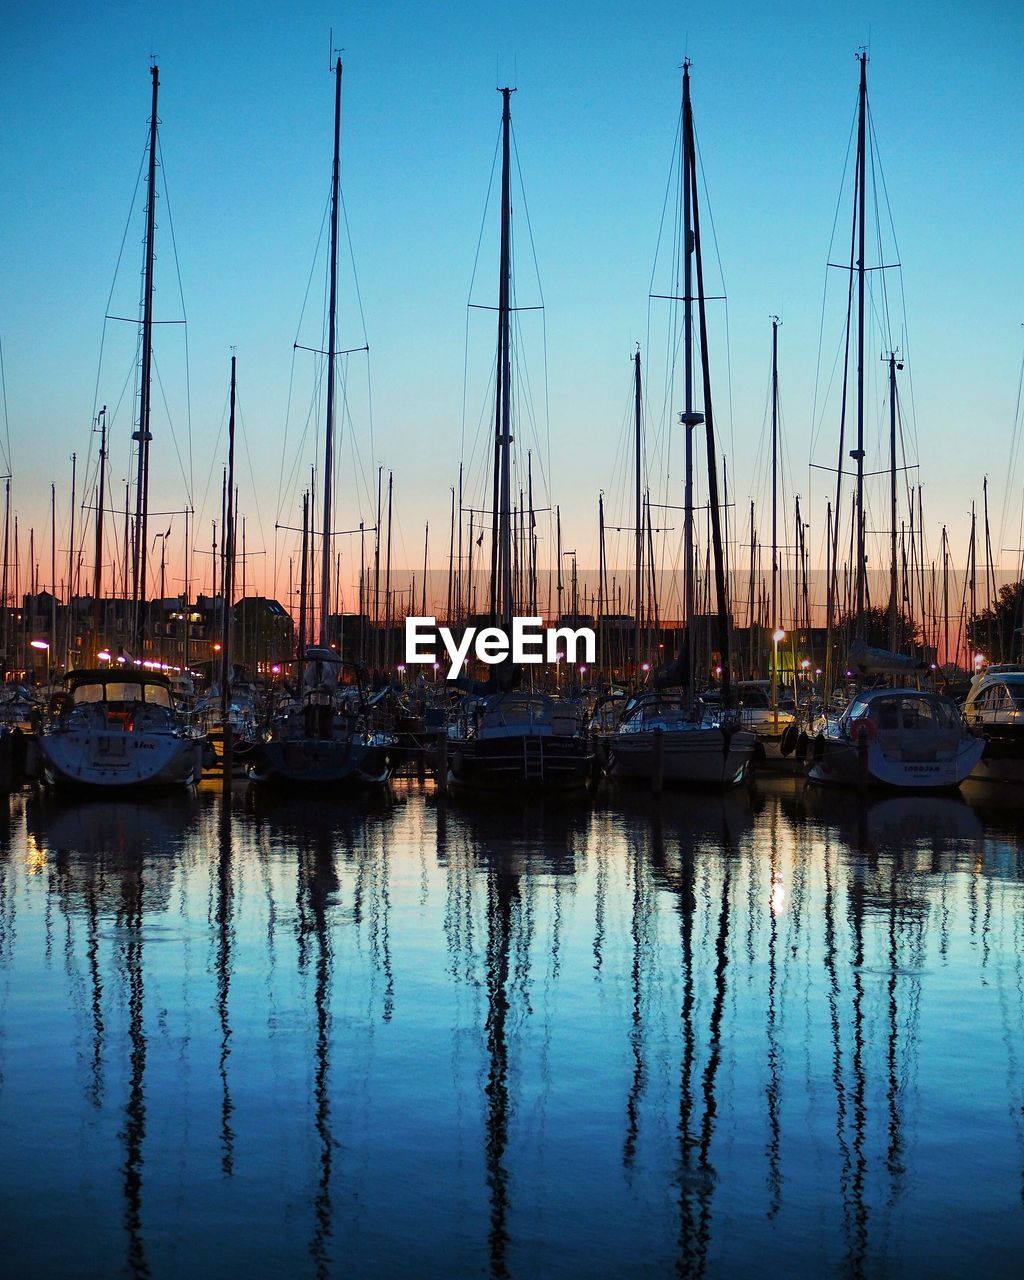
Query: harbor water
(777, 1032)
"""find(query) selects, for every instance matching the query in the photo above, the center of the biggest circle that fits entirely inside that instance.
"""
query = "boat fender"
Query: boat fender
(787, 743)
(819, 747)
(863, 730)
(760, 756)
(727, 734)
(802, 744)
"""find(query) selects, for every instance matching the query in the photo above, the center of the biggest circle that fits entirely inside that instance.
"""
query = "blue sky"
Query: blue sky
(246, 100)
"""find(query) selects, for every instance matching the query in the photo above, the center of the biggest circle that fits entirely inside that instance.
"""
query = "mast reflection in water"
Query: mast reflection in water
(697, 1036)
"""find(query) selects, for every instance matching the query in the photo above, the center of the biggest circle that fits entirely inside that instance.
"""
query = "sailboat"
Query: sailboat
(322, 738)
(897, 736)
(116, 728)
(669, 730)
(518, 740)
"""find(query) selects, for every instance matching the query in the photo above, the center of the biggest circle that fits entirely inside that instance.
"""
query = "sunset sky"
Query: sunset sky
(246, 113)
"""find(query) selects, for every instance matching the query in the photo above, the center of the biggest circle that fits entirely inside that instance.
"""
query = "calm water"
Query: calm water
(780, 1033)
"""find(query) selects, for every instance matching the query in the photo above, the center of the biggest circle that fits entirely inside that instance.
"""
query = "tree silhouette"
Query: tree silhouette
(996, 632)
(876, 628)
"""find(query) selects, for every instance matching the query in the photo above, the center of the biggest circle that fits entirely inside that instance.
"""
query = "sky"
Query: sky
(246, 115)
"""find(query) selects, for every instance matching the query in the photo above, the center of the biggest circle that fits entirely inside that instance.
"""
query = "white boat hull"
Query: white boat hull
(837, 762)
(117, 761)
(701, 755)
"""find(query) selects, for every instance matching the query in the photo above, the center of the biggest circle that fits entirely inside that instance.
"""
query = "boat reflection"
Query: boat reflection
(677, 1029)
(113, 862)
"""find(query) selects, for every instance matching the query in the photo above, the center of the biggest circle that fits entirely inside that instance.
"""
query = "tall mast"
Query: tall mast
(187, 611)
(387, 579)
(721, 594)
(893, 612)
(97, 573)
(501, 553)
(861, 277)
(143, 435)
(71, 562)
(228, 583)
(6, 597)
(332, 337)
(690, 418)
(637, 467)
(52, 652)
(775, 511)
(376, 576)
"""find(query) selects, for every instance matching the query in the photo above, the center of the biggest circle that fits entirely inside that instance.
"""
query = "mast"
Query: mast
(750, 594)
(458, 562)
(423, 602)
(558, 551)
(501, 553)
(713, 502)
(228, 581)
(52, 651)
(945, 597)
(376, 575)
(187, 611)
(638, 447)
(775, 516)
(533, 534)
(143, 435)
(332, 338)
(71, 560)
(689, 418)
(451, 561)
(303, 587)
(387, 579)
(893, 612)
(861, 277)
(97, 573)
(601, 568)
(990, 578)
(6, 598)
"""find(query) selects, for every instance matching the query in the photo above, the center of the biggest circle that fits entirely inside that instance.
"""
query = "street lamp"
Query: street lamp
(43, 646)
(778, 635)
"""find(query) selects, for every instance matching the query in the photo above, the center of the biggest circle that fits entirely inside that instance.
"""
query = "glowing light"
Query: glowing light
(103, 655)
(779, 636)
(275, 670)
(778, 899)
(39, 644)
(583, 671)
(646, 667)
(216, 646)
(805, 663)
